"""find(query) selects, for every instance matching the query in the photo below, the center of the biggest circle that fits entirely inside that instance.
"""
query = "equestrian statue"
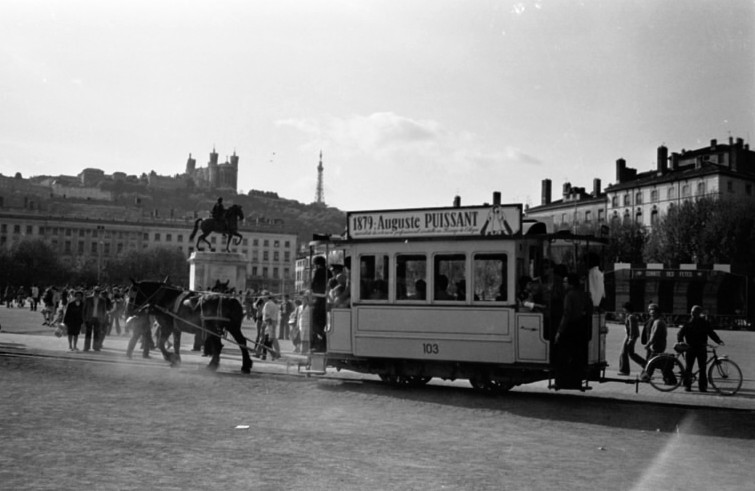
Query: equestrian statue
(223, 221)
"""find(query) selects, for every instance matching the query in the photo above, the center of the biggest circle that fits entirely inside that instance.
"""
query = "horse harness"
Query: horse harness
(218, 310)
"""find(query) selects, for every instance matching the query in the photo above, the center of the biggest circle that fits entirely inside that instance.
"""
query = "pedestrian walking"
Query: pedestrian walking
(270, 316)
(139, 325)
(631, 325)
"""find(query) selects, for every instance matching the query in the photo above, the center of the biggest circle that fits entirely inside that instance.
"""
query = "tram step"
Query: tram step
(316, 365)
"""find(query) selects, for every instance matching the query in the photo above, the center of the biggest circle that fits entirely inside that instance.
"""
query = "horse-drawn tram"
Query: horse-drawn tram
(472, 293)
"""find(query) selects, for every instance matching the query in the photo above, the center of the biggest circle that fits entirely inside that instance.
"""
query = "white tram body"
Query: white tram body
(434, 293)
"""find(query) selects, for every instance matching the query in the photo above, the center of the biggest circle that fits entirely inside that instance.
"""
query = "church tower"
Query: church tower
(212, 168)
(191, 165)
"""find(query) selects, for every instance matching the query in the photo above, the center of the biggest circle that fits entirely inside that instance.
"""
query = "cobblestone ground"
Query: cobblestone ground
(77, 423)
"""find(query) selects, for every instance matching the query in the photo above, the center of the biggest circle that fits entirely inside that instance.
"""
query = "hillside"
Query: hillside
(136, 201)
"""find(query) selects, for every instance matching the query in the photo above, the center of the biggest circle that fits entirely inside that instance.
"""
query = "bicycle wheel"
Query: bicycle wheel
(664, 373)
(725, 376)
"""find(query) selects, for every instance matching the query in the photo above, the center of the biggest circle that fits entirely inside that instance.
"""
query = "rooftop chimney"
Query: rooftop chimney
(621, 166)
(497, 198)
(566, 190)
(662, 159)
(457, 201)
(596, 187)
(546, 192)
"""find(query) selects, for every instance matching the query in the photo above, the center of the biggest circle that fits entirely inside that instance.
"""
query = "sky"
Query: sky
(411, 102)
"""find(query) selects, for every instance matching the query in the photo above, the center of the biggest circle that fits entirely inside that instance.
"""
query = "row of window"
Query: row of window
(80, 248)
(685, 192)
(588, 216)
(158, 236)
(439, 278)
(256, 270)
(638, 216)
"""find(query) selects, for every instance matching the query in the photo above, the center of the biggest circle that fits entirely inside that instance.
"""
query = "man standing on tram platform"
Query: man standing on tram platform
(573, 336)
(319, 309)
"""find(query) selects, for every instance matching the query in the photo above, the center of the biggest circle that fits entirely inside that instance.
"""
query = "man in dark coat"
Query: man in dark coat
(696, 333)
(96, 307)
(319, 309)
(573, 336)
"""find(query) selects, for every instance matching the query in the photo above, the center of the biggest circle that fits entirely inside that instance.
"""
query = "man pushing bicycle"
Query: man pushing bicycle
(696, 333)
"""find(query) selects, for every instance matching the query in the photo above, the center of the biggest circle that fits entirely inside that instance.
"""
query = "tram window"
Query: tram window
(449, 277)
(411, 277)
(373, 274)
(491, 277)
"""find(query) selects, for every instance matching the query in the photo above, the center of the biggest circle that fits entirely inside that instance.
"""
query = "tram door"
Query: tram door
(531, 345)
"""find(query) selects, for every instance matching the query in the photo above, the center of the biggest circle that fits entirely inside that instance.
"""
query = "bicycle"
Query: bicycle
(665, 372)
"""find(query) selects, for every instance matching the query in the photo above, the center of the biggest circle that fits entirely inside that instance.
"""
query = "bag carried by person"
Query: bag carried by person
(61, 330)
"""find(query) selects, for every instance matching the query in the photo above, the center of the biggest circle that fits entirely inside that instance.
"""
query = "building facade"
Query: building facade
(717, 171)
(577, 211)
(270, 256)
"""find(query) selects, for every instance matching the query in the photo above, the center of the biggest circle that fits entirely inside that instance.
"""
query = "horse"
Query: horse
(229, 228)
(178, 310)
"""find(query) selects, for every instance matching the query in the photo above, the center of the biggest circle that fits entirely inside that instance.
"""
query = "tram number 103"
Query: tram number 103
(430, 348)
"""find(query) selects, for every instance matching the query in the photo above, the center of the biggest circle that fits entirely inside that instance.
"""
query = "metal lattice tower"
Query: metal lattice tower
(320, 193)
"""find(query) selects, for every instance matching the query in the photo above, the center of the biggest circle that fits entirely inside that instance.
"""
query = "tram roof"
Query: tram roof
(535, 231)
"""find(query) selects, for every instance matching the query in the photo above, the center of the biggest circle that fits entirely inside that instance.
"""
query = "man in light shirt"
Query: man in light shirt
(270, 316)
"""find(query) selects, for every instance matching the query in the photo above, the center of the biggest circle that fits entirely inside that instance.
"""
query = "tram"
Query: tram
(457, 293)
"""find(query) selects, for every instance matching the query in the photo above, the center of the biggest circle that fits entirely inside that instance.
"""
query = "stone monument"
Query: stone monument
(207, 268)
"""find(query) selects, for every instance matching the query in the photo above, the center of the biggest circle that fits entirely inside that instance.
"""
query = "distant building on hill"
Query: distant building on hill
(215, 175)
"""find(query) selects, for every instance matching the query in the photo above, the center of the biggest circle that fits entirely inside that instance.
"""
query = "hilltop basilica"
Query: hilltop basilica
(215, 175)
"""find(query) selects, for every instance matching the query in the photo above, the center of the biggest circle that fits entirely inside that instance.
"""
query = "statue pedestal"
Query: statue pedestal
(207, 268)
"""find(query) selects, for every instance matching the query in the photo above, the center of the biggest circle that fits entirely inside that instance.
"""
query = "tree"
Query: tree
(35, 262)
(150, 264)
(706, 231)
(626, 242)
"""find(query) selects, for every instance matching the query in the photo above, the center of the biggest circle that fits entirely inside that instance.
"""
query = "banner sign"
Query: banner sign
(671, 274)
(501, 220)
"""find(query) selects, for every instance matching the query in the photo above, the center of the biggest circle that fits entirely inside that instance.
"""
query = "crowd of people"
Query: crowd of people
(301, 318)
(98, 312)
